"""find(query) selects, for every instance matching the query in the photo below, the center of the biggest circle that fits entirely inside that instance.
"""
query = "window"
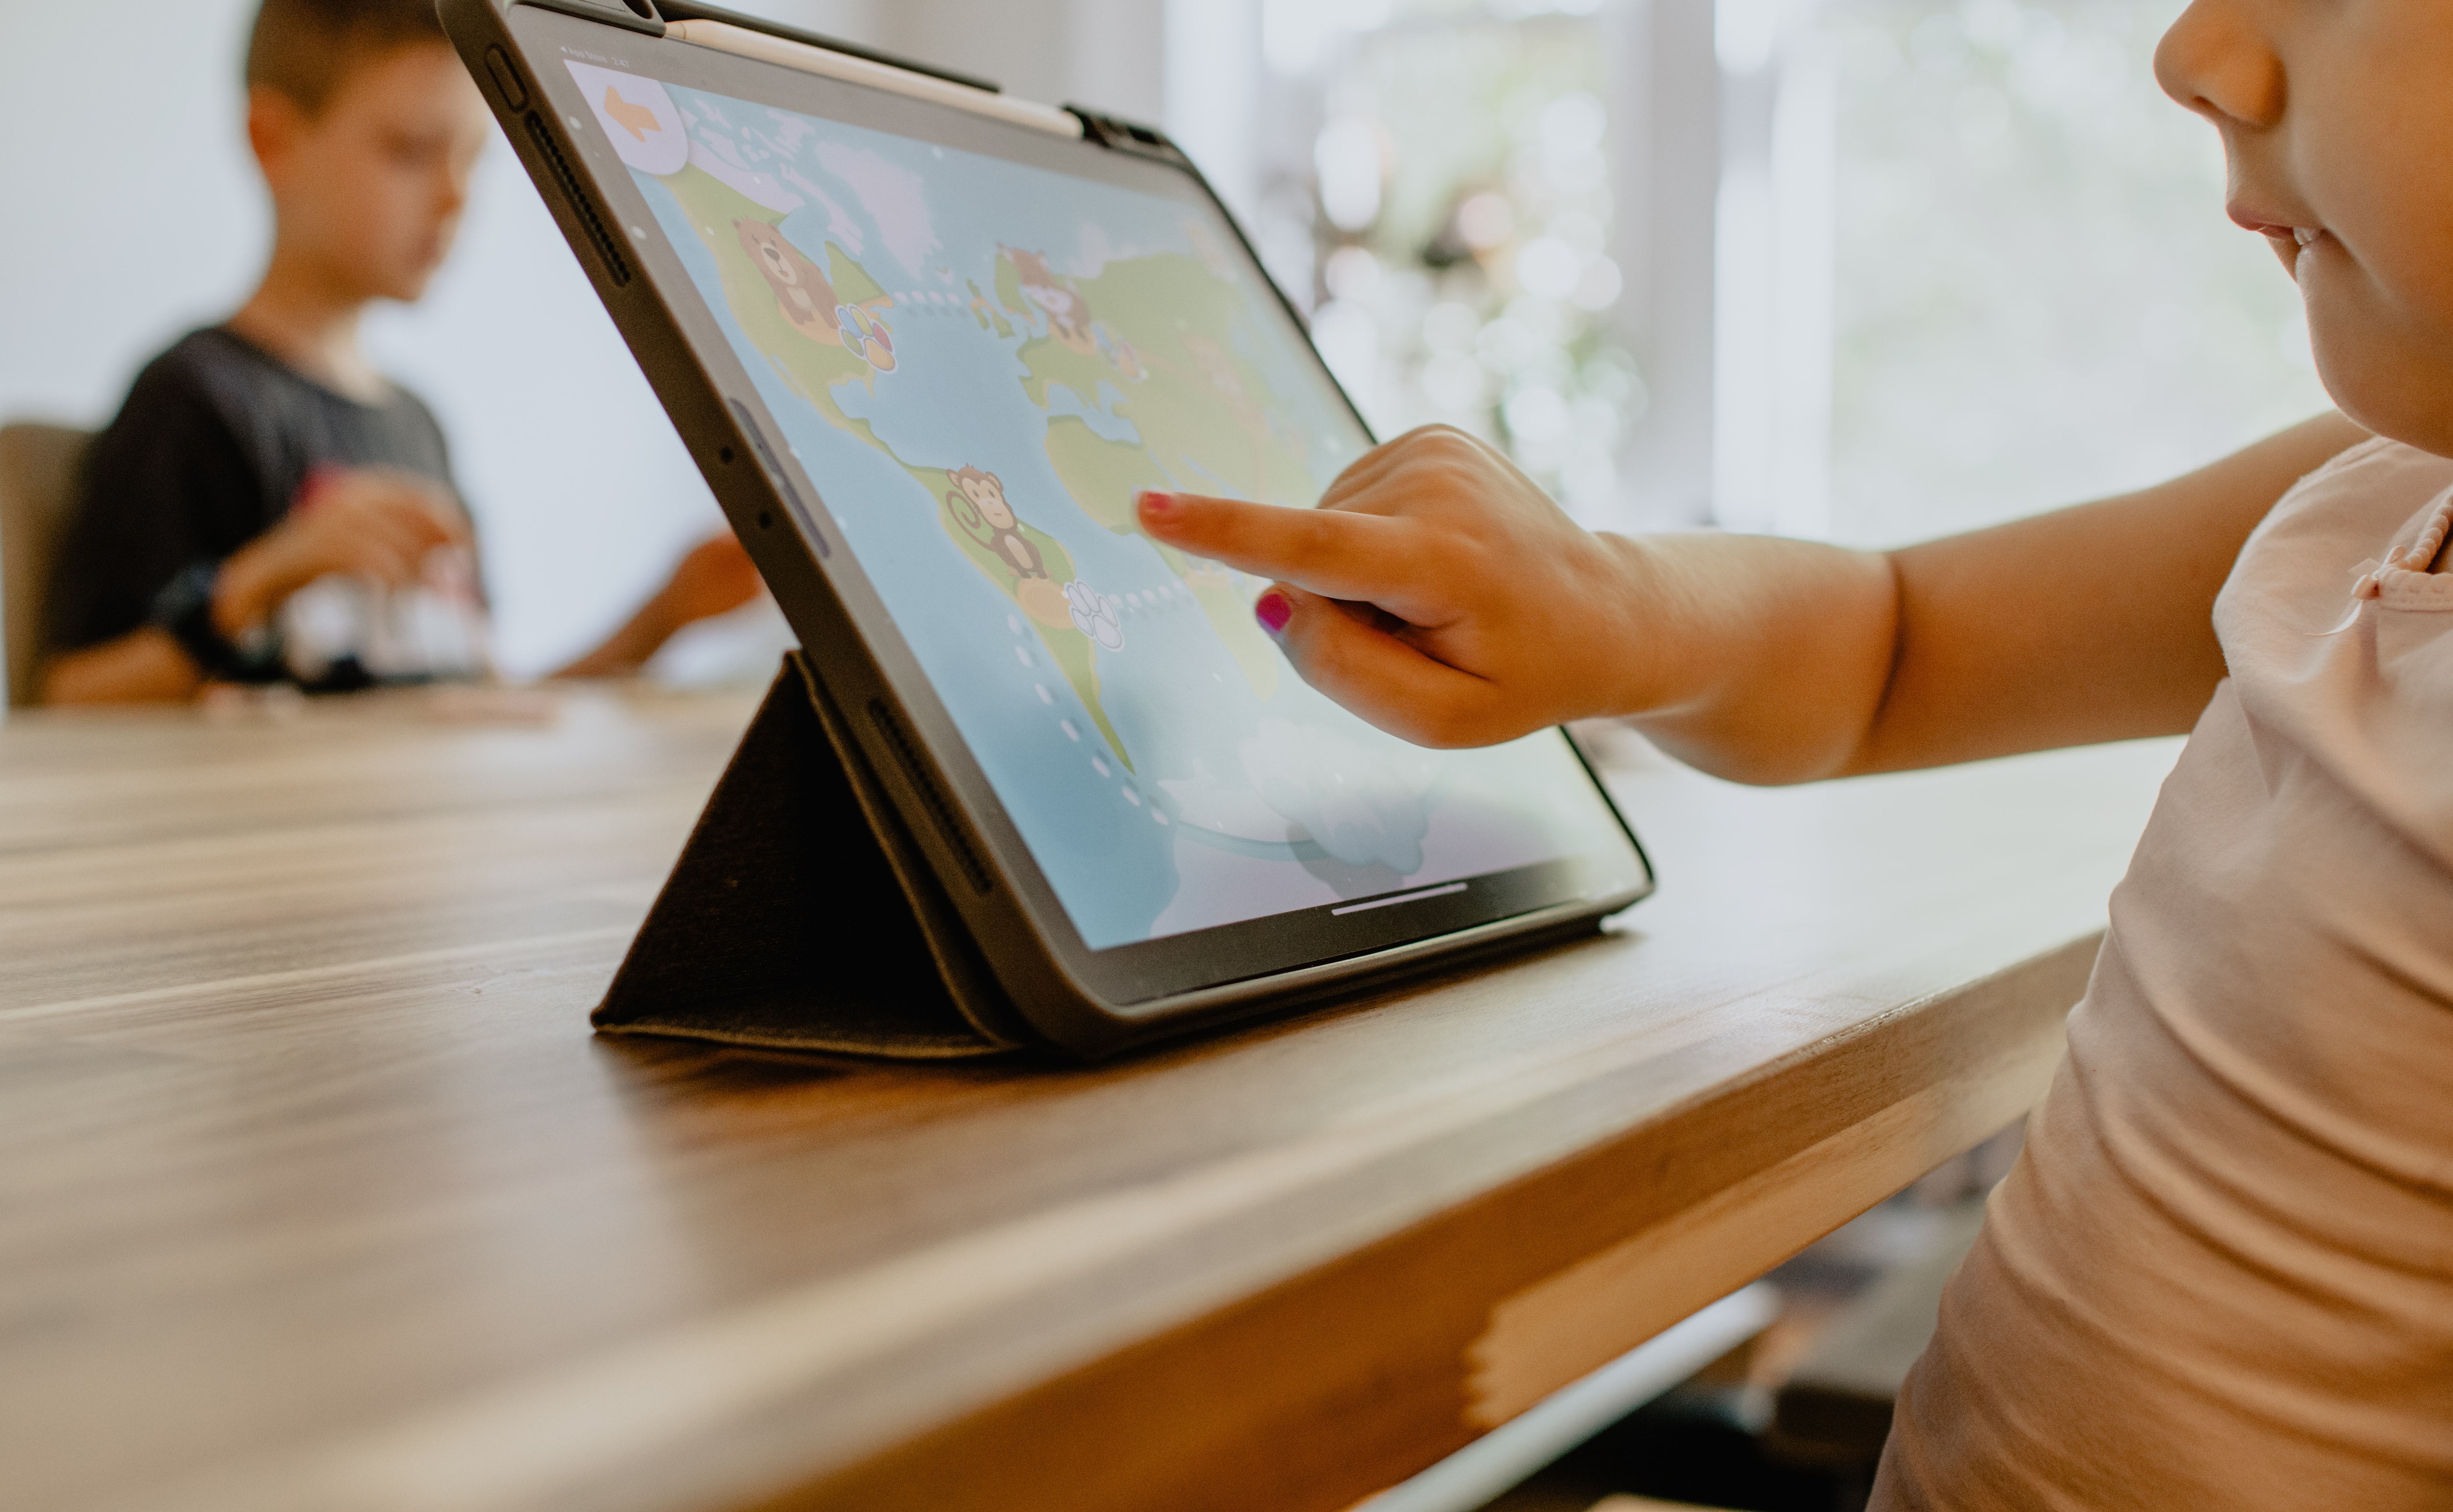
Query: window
(1443, 204)
(1870, 269)
(2038, 296)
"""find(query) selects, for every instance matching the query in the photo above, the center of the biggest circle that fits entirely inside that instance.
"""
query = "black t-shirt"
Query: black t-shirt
(211, 448)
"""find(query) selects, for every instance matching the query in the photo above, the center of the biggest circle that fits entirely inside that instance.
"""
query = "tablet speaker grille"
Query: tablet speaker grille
(948, 824)
(617, 263)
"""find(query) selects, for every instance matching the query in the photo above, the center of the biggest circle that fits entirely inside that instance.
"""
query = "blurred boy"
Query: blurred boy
(266, 507)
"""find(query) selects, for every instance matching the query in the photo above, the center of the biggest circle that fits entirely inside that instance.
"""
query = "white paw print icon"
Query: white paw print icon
(1094, 615)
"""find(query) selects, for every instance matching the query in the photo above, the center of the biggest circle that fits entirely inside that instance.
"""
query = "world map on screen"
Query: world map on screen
(980, 365)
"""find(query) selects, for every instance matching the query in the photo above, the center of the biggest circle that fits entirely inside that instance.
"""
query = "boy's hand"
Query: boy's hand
(376, 523)
(713, 577)
(1436, 591)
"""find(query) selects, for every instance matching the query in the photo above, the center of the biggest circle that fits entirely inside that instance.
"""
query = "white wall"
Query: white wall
(127, 224)
(1667, 119)
(134, 221)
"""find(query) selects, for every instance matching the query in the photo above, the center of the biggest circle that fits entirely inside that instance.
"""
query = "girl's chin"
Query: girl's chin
(2378, 365)
(409, 288)
(2417, 414)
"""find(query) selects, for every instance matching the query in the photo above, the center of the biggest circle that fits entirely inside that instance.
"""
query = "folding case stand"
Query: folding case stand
(802, 915)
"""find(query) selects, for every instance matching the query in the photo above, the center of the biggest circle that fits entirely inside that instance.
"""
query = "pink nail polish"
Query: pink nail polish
(1273, 609)
(1154, 500)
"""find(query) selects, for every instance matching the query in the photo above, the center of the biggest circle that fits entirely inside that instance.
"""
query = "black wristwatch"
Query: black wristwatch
(183, 611)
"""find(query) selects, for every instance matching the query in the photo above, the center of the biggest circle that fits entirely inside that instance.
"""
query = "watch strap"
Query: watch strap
(184, 610)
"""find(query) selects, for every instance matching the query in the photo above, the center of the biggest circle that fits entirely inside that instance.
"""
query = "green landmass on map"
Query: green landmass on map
(1071, 650)
(1198, 406)
(808, 366)
(1157, 340)
(1009, 287)
(812, 369)
(984, 313)
(1104, 477)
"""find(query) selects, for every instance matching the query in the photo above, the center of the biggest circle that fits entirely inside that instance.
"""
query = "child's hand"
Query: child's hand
(376, 523)
(713, 577)
(1436, 591)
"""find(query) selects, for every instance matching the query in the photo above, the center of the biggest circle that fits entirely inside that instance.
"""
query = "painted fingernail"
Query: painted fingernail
(1273, 609)
(1154, 501)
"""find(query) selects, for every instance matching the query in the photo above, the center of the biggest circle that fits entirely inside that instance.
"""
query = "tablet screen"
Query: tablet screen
(978, 363)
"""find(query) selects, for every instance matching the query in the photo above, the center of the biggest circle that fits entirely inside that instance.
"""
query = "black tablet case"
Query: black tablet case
(802, 915)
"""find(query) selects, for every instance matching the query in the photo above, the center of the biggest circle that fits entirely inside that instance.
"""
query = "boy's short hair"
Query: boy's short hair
(302, 49)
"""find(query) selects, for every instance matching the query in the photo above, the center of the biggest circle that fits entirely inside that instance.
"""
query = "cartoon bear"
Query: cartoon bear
(802, 292)
(1067, 312)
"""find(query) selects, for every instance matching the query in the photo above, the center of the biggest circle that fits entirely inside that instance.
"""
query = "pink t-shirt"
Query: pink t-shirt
(2221, 1274)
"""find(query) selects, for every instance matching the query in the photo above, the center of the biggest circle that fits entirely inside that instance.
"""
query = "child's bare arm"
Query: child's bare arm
(713, 577)
(143, 666)
(2089, 624)
(373, 522)
(1439, 594)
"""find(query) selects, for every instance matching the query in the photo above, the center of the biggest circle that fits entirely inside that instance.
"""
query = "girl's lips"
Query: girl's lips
(2302, 234)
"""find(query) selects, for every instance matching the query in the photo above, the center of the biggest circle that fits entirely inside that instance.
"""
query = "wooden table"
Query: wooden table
(316, 1192)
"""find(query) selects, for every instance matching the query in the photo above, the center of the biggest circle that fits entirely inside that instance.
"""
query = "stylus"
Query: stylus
(800, 55)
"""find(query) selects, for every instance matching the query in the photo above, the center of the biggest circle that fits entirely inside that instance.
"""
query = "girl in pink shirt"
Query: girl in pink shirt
(2221, 1274)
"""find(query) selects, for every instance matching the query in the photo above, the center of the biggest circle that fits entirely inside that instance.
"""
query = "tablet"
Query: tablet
(926, 343)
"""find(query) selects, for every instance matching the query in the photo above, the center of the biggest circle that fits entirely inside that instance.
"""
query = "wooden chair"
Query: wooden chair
(38, 469)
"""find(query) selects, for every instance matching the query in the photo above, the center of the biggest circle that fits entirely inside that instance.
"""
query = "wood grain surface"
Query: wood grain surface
(316, 1192)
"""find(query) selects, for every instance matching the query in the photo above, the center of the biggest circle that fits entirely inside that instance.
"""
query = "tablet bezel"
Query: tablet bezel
(1080, 996)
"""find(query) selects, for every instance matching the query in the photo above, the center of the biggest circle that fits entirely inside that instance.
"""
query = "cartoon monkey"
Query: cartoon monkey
(802, 292)
(979, 500)
(978, 505)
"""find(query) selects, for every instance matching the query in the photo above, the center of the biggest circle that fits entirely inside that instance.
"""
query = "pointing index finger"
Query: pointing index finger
(1334, 553)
